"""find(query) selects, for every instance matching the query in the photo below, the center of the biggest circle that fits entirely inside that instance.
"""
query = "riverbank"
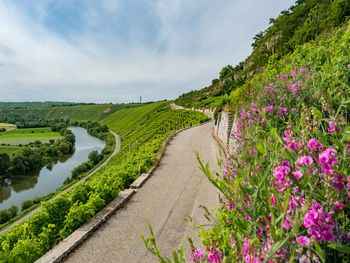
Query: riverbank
(27, 213)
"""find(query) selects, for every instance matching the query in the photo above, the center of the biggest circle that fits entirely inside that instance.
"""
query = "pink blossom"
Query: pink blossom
(332, 126)
(303, 240)
(287, 224)
(270, 108)
(327, 160)
(302, 70)
(314, 145)
(305, 160)
(339, 182)
(293, 73)
(283, 111)
(289, 141)
(197, 255)
(319, 223)
(297, 174)
(339, 206)
(214, 256)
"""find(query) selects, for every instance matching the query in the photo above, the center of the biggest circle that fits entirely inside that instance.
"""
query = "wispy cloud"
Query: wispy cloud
(118, 50)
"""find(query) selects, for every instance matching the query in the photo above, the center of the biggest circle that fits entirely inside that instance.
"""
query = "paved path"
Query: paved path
(29, 214)
(174, 192)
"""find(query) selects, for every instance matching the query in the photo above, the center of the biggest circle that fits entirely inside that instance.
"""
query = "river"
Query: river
(17, 189)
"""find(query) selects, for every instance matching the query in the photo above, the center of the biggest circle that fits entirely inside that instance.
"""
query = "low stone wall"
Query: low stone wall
(224, 126)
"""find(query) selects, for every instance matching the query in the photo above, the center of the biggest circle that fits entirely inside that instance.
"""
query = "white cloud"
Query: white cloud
(188, 45)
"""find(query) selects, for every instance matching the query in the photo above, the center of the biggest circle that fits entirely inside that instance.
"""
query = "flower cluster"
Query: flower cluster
(319, 223)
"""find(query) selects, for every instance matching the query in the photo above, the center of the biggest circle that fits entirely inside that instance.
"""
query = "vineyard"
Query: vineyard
(60, 216)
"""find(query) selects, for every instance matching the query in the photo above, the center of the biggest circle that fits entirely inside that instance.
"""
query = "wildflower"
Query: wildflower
(297, 174)
(270, 108)
(229, 206)
(339, 206)
(327, 160)
(287, 224)
(283, 111)
(197, 255)
(314, 145)
(293, 73)
(319, 223)
(332, 126)
(303, 240)
(338, 182)
(305, 160)
(214, 256)
(290, 141)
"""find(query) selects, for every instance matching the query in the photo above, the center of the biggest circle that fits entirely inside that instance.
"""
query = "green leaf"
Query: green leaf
(261, 148)
(316, 113)
(340, 247)
(320, 252)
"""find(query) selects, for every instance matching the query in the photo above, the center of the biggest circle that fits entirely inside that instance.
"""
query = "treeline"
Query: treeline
(299, 24)
(36, 155)
(33, 122)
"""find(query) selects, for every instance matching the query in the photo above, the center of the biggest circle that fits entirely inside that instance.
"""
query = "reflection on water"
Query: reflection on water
(16, 189)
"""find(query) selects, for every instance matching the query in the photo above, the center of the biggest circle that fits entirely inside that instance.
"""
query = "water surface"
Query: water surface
(16, 189)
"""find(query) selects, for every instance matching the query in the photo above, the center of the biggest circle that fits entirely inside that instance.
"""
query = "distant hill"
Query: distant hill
(74, 112)
(34, 104)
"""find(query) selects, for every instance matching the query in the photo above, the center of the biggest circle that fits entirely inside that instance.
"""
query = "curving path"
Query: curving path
(174, 192)
(29, 214)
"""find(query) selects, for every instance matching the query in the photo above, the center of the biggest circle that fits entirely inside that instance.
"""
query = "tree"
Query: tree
(95, 157)
(4, 162)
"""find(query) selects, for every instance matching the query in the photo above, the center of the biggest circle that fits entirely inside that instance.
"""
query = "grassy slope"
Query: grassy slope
(7, 126)
(78, 113)
(144, 131)
(24, 136)
(123, 120)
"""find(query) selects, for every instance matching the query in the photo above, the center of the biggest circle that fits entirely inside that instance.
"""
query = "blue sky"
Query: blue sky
(118, 50)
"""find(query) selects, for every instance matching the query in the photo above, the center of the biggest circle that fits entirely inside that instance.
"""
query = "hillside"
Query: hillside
(302, 23)
(95, 112)
(60, 216)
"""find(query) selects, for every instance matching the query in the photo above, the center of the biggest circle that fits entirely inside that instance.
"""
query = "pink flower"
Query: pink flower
(293, 73)
(289, 141)
(339, 206)
(297, 174)
(327, 160)
(319, 223)
(197, 255)
(332, 126)
(339, 182)
(287, 224)
(283, 111)
(214, 256)
(303, 240)
(314, 145)
(269, 108)
(305, 160)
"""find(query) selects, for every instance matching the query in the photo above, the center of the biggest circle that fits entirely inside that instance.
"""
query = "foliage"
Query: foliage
(63, 214)
(81, 112)
(286, 189)
(300, 24)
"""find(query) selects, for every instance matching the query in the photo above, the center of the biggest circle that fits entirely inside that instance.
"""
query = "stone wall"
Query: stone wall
(224, 125)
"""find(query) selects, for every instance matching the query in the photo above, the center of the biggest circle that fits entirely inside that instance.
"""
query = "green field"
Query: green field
(8, 126)
(9, 149)
(25, 136)
(124, 119)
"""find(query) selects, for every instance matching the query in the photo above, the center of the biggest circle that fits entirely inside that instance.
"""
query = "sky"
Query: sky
(118, 50)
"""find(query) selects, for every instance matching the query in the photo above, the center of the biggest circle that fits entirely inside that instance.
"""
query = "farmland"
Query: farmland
(25, 136)
(75, 113)
(7, 126)
(140, 142)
